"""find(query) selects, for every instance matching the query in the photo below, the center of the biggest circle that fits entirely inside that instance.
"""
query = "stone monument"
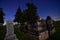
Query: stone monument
(39, 32)
(10, 31)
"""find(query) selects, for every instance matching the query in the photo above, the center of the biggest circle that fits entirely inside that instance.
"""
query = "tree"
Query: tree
(1, 16)
(49, 25)
(18, 16)
(48, 18)
(31, 13)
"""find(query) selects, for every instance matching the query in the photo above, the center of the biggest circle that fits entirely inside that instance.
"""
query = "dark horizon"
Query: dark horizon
(44, 8)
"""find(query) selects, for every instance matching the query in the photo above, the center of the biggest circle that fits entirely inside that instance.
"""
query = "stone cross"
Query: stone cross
(10, 31)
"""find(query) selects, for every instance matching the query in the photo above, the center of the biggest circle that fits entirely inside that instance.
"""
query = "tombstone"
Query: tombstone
(38, 31)
(10, 31)
(43, 33)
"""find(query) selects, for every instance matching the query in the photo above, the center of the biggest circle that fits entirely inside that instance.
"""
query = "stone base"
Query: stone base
(11, 37)
(43, 35)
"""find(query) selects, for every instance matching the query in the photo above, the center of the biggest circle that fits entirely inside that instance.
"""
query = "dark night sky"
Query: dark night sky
(44, 7)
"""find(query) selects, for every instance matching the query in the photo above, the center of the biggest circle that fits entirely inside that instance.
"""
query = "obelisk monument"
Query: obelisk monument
(10, 31)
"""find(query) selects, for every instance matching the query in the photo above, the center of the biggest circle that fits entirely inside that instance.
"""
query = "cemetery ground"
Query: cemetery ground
(22, 36)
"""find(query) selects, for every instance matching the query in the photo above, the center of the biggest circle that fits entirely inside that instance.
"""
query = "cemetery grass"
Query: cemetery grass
(22, 36)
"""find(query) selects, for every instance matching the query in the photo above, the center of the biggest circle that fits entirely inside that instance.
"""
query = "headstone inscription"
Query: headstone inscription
(10, 31)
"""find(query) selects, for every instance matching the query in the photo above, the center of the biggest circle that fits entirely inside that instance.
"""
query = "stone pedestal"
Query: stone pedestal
(11, 37)
(10, 31)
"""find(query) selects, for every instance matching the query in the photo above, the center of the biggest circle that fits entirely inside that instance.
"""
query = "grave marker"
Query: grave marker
(10, 31)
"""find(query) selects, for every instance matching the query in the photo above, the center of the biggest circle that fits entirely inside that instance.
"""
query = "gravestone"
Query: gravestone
(10, 31)
(43, 34)
(40, 32)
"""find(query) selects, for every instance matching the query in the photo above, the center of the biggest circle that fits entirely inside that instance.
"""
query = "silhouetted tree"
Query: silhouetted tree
(18, 16)
(1, 16)
(31, 13)
(49, 25)
(48, 18)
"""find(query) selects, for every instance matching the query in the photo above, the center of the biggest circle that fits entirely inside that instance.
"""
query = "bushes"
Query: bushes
(2, 32)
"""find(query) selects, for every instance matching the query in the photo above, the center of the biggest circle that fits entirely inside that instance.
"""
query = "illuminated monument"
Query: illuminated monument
(10, 31)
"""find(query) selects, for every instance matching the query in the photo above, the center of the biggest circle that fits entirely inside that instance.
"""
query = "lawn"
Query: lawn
(22, 36)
